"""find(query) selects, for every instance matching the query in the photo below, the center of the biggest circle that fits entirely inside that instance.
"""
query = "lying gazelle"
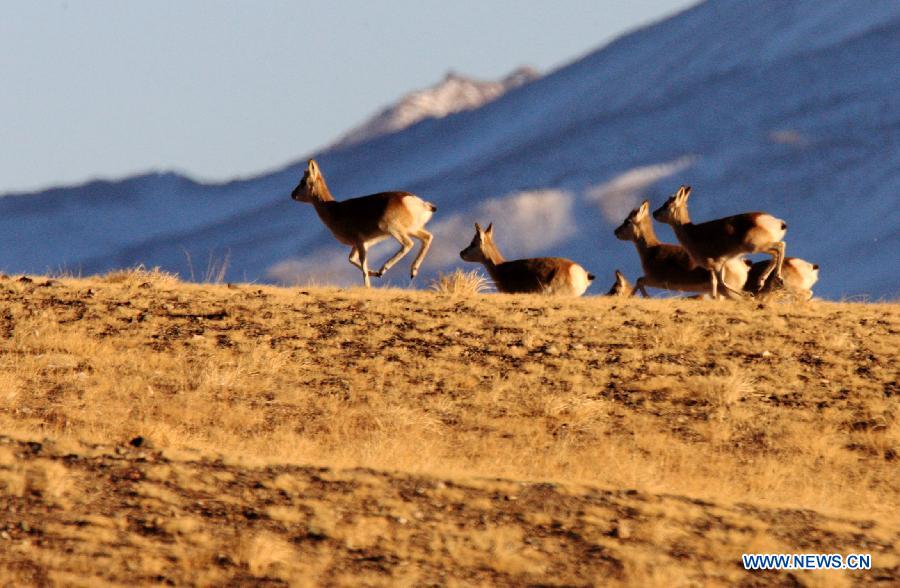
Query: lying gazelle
(622, 287)
(364, 221)
(547, 275)
(713, 243)
(798, 275)
(669, 266)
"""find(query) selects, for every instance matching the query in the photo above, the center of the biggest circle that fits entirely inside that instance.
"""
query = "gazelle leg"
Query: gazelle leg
(354, 258)
(426, 238)
(361, 249)
(639, 285)
(713, 285)
(777, 262)
(405, 245)
(729, 291)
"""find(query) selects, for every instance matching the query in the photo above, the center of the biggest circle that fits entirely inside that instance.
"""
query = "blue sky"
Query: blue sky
(105, 88)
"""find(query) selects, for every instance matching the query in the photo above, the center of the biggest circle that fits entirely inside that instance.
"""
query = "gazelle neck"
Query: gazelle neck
(492, 256)
(645, 236)
(320, 192)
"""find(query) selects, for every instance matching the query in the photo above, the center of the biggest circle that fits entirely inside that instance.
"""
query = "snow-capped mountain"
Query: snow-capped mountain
(454, 93)
(791, 108)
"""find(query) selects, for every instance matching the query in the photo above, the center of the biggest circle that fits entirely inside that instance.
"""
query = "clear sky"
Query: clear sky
(220, 89)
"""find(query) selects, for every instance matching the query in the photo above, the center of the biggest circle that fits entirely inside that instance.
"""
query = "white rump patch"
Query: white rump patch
(772, 226)
(578, 278)
(808, 274)
(617, 197)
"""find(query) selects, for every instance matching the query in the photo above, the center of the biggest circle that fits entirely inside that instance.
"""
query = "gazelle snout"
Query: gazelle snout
(624, 232)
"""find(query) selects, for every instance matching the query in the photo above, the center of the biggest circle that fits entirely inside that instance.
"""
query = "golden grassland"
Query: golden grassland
(156, 431)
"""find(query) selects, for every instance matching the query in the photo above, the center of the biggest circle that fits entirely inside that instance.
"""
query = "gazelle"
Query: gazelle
(622, 287)
(798, 274)
(669, 266)
(711, 244)
(548, 275)
(364, 221)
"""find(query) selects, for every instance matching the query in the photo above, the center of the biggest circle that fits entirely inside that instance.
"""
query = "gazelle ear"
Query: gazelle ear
(313, 168)
(489, 231)
(619, 277)
(644, 209)
(478, 228)
(684, 192)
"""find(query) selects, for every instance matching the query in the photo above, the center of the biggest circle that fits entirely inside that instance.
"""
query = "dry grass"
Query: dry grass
(460, 283)
(655, 440)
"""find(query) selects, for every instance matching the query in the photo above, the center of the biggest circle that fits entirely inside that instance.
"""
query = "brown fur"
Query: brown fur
(551, 275)
(665, 266)
(360, 222)
(711, 244)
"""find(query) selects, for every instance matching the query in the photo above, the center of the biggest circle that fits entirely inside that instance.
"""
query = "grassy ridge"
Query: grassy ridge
(684, 410)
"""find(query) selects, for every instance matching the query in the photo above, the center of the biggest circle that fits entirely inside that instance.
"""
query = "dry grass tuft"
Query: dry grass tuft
(460, 283)
(140, 276)
(268, 555)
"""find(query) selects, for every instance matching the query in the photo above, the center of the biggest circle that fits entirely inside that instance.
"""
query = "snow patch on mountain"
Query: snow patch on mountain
(455, 93)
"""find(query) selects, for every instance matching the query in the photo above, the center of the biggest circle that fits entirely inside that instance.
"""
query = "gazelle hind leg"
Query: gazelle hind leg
(777, 251)
(425, 237)
(405, 245)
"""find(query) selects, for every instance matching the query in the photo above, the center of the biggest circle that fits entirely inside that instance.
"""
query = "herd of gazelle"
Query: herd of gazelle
(709, 259)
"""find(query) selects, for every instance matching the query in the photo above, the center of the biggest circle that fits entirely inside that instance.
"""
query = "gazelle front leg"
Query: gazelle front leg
(719, 273)
(363, 253)
(639, 285)
(425, 237)
(354, 258)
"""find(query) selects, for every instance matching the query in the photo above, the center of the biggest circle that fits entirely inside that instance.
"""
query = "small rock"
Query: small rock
(766, 353)
(402, 520)
(622, 530)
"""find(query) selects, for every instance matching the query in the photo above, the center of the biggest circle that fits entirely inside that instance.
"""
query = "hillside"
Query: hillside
(785, 107)
(208, 434)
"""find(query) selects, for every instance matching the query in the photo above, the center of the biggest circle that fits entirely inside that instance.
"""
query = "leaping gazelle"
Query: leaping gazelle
(363, 221)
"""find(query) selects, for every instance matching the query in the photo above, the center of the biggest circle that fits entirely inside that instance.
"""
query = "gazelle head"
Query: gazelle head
(674, 211)
(622, 287)
(312, 184)
(482, 245)
(630, 228)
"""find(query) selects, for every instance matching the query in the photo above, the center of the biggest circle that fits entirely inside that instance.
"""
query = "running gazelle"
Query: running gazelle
(713, 243)
(363, 221)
